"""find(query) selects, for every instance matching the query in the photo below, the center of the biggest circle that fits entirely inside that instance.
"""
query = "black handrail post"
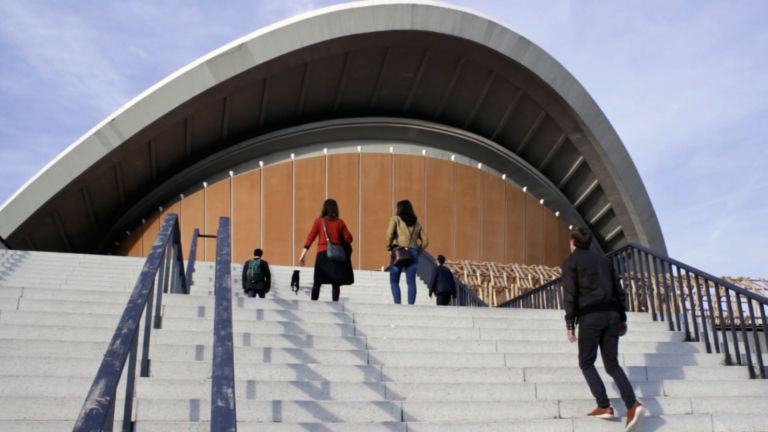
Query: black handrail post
(702, 314)
(723, 329)
(673, 289)
(655, 289)
(223, 408)
(682, 304)
(744, 336)
(147, 331)
(693, 305)
(158, 322)
(758, 352)
(636, 281)
(712, 319)
(663, 289)
(734, 336)
(130, 385)
(765, 325)
(191, 259)
(166, 268)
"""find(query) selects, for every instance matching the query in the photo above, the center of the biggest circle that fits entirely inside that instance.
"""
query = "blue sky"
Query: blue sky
(684, 83)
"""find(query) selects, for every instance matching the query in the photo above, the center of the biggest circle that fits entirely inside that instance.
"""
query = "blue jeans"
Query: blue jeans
(410, 277)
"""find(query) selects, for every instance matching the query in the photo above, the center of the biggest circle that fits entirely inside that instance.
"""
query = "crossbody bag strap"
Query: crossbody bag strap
(416, 229)
(325, 230)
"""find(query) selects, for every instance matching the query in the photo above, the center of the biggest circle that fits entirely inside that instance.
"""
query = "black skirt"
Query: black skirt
(334, 272)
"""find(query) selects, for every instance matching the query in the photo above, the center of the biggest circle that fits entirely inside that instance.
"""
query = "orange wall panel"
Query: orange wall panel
(344, 187)
(192, 217)
(376, 209)
(469, 189)
(515, 225)
(152, 226)
(409, 182)
(217, 204)
(551, 238)
(493, 219)
(310, 195)
(278, 213)
(534, 230)
(438, 220)
(133, 245)
(467, 213)
(246, 215)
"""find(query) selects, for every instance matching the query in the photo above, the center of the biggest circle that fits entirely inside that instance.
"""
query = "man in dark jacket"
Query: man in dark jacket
(441, 283)
(256, 276)
(595, 301)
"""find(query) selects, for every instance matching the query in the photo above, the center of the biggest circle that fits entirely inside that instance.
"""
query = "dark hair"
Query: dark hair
(258, 252)
(581, 237)
(405, 211)
(330, 209)
(441, 259)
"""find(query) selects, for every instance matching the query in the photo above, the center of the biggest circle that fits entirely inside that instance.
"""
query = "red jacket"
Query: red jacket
(336, 230)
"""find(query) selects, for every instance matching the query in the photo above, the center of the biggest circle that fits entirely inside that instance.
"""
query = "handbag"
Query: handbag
(400, 255)
(334, 252)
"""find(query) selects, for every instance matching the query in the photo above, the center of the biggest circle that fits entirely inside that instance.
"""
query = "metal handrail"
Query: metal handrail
(707, 308)
(4, 244)
(192, 258)
(163, 271)
(464, 295)
(223, 409)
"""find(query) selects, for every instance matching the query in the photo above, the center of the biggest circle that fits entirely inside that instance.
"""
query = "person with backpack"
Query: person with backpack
(256, 276)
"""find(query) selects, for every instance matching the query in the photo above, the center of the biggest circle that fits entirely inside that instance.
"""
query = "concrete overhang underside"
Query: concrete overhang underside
(420, 73)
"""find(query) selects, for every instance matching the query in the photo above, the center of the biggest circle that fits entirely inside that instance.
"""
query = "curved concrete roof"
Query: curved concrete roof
(414, 61)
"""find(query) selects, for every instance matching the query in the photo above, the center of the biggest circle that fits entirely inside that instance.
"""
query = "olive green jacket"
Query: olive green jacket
(399, 234)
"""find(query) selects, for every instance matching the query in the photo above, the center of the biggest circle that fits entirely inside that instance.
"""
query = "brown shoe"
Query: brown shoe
(602, 413)
(634, 415)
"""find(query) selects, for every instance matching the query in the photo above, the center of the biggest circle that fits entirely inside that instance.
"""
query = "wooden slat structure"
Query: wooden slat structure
(496, 283)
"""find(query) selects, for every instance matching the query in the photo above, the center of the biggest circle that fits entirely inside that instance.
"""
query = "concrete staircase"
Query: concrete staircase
(362, 364)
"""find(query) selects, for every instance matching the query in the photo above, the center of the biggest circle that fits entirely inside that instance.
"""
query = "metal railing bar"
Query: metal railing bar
(223, 408)
(702, 313)
(4, 244)
(723, 331)
(734, 337)
(705, 275)
(692, 299)
(682, 303)
(191, 259)
(758, 352)
(97, 412)
(712, 319)
(674, 295)
(663, 289)
(744, 337)
(765, 325)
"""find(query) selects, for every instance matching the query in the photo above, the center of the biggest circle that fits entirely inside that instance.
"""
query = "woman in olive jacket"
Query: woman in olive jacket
(404, 231)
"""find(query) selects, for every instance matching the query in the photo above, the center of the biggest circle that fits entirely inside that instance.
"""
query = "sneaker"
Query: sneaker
(602, 413)
(634, 416)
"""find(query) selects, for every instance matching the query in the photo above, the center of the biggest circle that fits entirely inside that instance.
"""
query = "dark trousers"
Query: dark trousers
(336, 290)
(443, 299)
(601, 329)
(252, 293)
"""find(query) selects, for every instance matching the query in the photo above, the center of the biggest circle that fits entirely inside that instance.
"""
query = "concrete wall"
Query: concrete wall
(467, 212)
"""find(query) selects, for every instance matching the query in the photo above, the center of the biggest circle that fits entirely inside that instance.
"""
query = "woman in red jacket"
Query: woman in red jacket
(327, 271)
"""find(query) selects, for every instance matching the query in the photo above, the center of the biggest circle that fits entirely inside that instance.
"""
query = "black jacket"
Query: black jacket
(441, 281)
(590, 285)
(264, 271)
